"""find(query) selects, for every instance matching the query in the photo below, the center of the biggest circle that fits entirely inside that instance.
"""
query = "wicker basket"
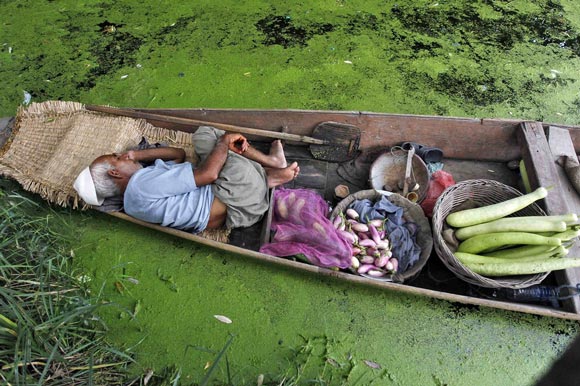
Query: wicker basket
(471, 194)
(412, 212)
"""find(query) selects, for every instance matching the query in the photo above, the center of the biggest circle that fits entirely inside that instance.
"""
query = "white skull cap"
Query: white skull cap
(85, 187)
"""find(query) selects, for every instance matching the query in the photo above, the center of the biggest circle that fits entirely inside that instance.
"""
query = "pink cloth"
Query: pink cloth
(302, 227)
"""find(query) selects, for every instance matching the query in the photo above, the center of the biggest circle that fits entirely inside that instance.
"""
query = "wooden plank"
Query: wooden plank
(561, 145)
(461, 138)
(542, 171)
(462, 170)
(266, 229)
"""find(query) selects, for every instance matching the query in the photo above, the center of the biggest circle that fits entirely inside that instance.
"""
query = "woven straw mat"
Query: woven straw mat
(54, 141)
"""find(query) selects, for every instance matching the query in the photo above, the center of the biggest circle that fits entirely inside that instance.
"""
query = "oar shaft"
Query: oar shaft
(195, 122)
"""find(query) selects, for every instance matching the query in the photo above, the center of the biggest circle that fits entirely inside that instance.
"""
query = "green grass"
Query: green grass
(50, 333)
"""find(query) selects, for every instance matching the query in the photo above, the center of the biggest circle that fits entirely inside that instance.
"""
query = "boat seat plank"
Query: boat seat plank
(542, 170)
(312, 175)
(462, 170)
(561, 145)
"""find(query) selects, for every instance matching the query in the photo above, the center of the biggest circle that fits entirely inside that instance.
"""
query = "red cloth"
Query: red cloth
(439, 181)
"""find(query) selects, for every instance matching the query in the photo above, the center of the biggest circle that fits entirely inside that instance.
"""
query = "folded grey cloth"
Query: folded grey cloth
(402, 235)
(115, 204)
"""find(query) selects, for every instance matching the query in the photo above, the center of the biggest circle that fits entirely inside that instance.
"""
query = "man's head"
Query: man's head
(107, 176)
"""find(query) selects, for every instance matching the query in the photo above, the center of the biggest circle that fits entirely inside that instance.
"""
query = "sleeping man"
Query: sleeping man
(229, 187)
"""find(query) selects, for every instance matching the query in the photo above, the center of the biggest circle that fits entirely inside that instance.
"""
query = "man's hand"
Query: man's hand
(209, 170)
(235, 142)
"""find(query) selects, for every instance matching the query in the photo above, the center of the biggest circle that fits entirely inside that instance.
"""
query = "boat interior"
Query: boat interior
(323, 177)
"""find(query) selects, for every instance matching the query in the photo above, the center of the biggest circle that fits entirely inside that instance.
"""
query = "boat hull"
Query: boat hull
(473, 149)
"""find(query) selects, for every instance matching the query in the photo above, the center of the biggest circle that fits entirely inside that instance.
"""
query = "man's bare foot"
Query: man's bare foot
(276, 155)
(278, 177)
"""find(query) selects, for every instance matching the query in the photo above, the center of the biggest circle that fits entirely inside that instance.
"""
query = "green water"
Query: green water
(516, 59)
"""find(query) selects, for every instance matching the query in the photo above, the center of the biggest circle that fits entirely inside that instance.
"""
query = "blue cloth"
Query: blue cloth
(165, 193)
(402, 234)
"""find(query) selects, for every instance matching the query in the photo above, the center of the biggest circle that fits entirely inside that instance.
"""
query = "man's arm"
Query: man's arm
(174, 154)
(209, 171)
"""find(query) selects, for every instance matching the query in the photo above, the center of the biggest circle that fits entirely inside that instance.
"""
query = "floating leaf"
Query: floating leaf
(136, 308)
(119, 287)
(332, 362)
(223, 319)
(371, 364)
(132, 280)
(147, 377)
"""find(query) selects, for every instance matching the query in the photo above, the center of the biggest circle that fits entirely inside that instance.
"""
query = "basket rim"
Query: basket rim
(447, 256)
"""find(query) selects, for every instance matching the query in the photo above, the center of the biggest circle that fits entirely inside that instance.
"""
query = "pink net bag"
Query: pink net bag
(302, 227)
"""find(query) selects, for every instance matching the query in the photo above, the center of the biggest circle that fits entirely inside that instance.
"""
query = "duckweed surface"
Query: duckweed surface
(484, 58)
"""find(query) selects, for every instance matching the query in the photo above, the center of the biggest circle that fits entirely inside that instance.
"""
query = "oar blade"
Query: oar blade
(342, 142)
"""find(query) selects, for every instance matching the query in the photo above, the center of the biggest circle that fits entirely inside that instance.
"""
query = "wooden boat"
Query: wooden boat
(472, 148)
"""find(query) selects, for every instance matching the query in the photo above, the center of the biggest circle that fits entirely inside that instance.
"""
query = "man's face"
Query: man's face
(123, 163)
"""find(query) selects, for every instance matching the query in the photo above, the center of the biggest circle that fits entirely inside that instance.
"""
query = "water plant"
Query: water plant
(49, 331)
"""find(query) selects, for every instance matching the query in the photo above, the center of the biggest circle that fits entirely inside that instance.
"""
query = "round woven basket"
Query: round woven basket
(471, 194)
(411, 212)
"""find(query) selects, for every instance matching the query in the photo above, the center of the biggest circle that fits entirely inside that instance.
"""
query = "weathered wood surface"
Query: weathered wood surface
(461, 138)
(561, 145)
(543, 171)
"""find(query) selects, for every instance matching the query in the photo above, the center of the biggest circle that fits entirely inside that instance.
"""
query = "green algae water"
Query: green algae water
(289, 323)
(489, 58)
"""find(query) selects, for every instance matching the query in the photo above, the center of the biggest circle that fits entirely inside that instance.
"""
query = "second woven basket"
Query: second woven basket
(472, 194)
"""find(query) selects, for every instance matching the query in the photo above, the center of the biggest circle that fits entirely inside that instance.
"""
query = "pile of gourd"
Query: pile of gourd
(492, 244)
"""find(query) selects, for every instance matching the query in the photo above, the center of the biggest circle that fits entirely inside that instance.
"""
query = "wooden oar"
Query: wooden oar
(336, 142)
(195, 122)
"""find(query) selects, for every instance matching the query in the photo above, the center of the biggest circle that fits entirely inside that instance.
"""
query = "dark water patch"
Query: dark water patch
(477, 90)
(491, 22)
(491, 86)
(109, 27)
(112, 51)
(173, 34)
(574, 106)
(559, 335)
(433, 21)
(460, 310)
(282, 30)
(362, 22)
(486, 76)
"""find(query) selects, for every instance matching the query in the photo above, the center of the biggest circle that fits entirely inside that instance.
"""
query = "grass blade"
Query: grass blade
(216, 362)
